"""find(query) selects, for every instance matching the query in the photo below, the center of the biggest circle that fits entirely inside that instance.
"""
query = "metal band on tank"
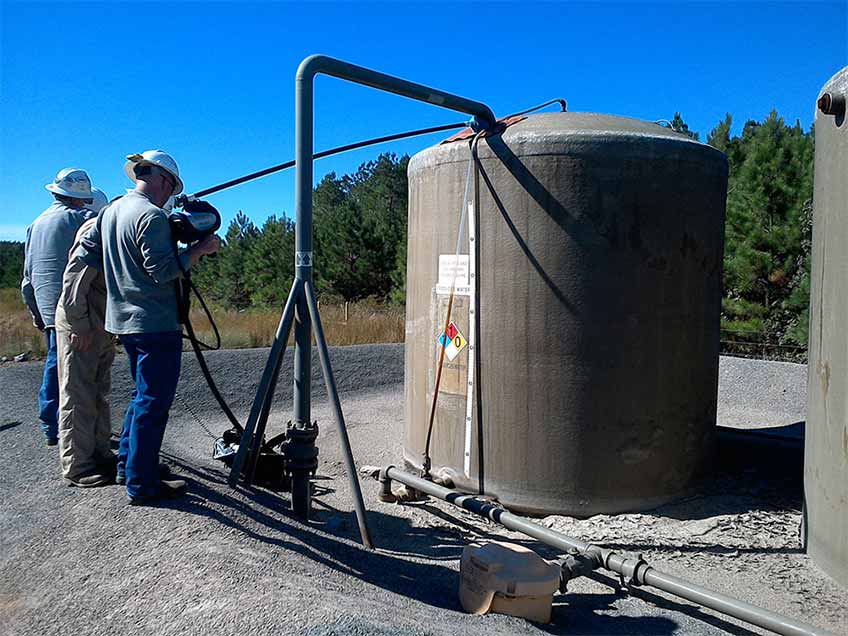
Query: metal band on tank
(472, 343)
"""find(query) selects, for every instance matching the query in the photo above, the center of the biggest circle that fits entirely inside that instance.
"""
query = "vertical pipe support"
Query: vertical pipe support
(303, 261)
(303, 244)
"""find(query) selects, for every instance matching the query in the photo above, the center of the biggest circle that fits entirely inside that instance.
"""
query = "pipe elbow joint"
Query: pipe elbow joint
(486, 121)
(311, 66)
(386, 495)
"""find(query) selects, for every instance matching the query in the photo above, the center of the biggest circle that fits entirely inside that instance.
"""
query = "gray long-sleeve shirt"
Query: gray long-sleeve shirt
(48, 241)
(132, 243)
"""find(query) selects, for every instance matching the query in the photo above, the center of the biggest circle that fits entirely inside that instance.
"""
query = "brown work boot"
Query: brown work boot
(90, 479)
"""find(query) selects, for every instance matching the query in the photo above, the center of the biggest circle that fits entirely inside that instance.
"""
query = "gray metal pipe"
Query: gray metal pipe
(304, 101)
(633, 568)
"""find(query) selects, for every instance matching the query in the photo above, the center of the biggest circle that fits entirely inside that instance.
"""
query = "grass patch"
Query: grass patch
(17, 334)
(366, 323)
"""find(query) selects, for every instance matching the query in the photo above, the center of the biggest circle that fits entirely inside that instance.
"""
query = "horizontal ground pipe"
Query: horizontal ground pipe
(633, 568)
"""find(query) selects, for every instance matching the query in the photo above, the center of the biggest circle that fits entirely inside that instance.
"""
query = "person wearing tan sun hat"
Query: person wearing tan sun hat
(48, 241)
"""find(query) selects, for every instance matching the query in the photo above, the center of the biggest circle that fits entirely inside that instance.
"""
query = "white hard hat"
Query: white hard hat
(158, 158)
(98, 200)
(71, 182)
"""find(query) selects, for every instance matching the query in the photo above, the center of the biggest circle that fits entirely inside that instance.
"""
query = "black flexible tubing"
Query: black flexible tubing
(201, 361)
(184, 287)
(563, 104)
(208, 313)
(327, 153)
(360, 144)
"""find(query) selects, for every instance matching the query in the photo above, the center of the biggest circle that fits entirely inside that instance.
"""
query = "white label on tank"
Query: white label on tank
(453, 270)
(445, 290)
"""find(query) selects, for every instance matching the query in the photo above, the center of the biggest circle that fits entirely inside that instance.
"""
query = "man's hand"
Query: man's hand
(208, 245)
(81, 341)
(37, 322)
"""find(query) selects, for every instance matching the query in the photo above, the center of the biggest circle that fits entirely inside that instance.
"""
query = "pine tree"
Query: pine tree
(680, 126)
(269, 266)
(766, 268)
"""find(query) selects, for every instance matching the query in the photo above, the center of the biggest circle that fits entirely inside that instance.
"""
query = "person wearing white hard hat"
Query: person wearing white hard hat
(132, 242)
(48, 241)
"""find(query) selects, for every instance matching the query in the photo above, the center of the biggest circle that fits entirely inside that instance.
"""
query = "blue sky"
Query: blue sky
(212, 83)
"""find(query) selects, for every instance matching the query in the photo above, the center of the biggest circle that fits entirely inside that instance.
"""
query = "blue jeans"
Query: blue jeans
(155, 368)
(48, 396)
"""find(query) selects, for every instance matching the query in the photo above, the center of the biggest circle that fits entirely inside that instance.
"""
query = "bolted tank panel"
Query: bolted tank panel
(826, 445)
(601, 245)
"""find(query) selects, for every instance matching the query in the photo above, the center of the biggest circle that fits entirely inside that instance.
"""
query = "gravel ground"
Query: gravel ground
(222, 562)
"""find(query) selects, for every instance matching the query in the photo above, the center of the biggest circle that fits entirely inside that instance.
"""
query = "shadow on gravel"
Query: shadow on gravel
(10, 425)
(578, 612)
(331, 540)
(328, 538)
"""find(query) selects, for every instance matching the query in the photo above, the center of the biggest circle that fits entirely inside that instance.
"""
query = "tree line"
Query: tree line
(359, 241)
(360, 237)
(11, 264)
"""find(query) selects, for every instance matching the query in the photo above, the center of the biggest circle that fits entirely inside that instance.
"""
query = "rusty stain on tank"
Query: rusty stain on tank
(845, 442)
(823, 369)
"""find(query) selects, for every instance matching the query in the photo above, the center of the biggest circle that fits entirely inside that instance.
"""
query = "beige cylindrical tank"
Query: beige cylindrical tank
(826, 430)
(599, 290)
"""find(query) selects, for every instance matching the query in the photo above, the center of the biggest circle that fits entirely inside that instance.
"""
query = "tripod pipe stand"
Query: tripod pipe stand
(301, 310)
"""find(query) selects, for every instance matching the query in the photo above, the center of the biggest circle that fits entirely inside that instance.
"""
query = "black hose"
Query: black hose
(201, 361)
(326, 153)
(563, 105)
(359, 144)
(184, 288)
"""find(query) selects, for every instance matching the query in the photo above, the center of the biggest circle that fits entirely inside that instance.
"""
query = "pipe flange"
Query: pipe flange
(632, 570)
(299, 450)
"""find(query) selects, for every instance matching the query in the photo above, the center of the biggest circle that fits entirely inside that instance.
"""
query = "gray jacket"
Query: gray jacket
(132, 243)
(48, 241)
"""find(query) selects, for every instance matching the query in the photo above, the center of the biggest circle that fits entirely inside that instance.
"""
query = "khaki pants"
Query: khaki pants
(85, 427)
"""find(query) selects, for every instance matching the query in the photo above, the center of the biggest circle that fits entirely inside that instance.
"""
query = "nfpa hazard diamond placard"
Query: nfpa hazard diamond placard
(452, 341)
